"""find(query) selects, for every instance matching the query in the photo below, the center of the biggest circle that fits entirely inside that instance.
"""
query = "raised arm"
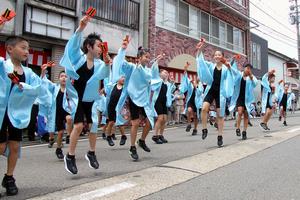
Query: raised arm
(120, 65)
(73, 53)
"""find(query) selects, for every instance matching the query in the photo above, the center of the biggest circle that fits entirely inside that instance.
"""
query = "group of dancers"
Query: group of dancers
(132, 93)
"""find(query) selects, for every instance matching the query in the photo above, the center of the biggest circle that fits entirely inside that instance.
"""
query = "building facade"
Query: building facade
(286, 69)
(48, 24)
(258, 57)
(174, 27)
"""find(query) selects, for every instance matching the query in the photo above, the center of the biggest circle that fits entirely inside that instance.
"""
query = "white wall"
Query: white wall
(114, 35)
(277, 64)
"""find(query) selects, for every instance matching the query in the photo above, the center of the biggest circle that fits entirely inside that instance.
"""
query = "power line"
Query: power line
(272, 17)
(288, 37)
(264, 3)
(284, 42)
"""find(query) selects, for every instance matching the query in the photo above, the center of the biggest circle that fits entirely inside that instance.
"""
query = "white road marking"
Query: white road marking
(293, 130)
(102, 191)
(154, 179)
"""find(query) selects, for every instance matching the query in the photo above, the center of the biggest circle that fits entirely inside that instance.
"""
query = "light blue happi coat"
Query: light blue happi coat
(50, 109)
(98, 105)
(187, 86)
(249, 94)
(72, 60)
(156, 83)
(279, 94)
(205, 71)
(18, 102)
(4, 90)
(266, 90)
(137, 86)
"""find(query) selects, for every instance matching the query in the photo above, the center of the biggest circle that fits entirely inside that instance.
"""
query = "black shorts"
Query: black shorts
(161, 108)
(191, 104)
(211, 96)
(9, 132)
(111, 112)
(240, 103)
(283, 104)
(60, 119)
(84, 109)
(136, 111)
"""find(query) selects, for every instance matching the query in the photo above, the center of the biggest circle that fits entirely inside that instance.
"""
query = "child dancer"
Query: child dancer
(86, 69)
(219, 80)
(137, 89)
(17, 95)
(284, 100)
(194, 99)
(57, 116)
(268, 91)
(243, 96)
(161, 99)
(113, 97)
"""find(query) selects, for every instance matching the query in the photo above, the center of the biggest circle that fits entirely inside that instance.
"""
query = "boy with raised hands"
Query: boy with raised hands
(86, 69)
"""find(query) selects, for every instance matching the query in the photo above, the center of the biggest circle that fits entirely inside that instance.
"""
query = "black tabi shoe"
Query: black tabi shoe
(163, 139)
(204, 133)
(220, 140)
(143, 145)
(238, 132)
(133, 153)
(244, 135)
(92, 160)
(123, 140)
(188, 128)
(59, 153)
(70, 164)
(9, 183)
(156, 139)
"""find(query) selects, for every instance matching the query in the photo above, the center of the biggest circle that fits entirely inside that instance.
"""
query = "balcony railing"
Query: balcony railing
(70, 4)
(122, 12)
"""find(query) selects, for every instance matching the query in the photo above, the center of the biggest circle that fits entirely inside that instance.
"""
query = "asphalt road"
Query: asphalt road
(39, 172)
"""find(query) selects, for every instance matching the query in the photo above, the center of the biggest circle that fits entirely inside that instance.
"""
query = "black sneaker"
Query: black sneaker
(143, 145)
(70, 164)
(238, 132)
(216, 125)
(220, 140)
(279, 119)
(92, 159)
(133, 153)
(123, 139)
(110, 141)
(284, 123)
(250, 124)
(204, 133)
(51, 142)
(114, 136)
(67, 139)
(188, 128)
(103, 136)
(194, 132)
(9, 183)
(162, 139)
(263, 126)
(59, 153)
(244, 135)
(156, 139)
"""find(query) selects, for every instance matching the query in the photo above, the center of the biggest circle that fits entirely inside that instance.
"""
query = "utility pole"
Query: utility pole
(294, 19)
